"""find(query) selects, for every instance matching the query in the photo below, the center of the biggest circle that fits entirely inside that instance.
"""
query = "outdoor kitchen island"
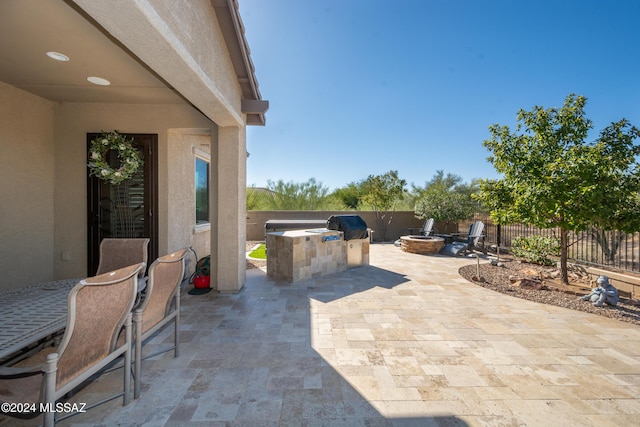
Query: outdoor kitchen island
(302, 254)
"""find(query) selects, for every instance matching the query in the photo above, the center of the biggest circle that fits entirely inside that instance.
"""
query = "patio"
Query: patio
(404, 341)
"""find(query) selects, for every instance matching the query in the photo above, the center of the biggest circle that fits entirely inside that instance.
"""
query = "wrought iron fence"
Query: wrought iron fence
(610, 249)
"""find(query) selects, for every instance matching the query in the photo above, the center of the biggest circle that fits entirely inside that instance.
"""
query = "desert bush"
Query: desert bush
(536, 249)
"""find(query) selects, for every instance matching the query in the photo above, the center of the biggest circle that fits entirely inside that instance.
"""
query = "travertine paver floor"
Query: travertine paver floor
(404, 341)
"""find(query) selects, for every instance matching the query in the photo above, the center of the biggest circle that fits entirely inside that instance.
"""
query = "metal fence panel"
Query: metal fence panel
(610, 249)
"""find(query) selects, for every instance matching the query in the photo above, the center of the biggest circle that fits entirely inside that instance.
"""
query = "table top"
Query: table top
(32, 313)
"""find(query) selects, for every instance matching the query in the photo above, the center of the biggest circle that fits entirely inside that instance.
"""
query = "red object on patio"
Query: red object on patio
(201, 282)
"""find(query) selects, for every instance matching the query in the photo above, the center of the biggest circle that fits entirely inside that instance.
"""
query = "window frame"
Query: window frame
(205, 157)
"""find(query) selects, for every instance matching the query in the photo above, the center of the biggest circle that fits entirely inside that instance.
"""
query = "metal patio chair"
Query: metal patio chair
(99, 308)
(160, 306)
(118, 253)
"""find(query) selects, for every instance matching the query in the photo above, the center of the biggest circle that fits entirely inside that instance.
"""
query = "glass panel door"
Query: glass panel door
(126, 210)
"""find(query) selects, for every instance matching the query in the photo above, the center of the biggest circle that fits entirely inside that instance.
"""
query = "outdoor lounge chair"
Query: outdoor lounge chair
(426, 229)
(99, 308)
(160, 306)
(464, 245)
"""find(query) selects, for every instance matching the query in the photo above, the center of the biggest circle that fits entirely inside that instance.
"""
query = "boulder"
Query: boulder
(529, 284)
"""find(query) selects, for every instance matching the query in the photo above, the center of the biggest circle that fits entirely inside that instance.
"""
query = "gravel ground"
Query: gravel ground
(498, 279)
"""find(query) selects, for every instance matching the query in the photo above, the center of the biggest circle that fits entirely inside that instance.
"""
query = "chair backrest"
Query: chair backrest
(165, 275)
(475, 232)
(118, 253)
(98, 307)
(427, 228)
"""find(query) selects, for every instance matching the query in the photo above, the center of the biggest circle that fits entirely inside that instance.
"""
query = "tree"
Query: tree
(381, 194)
(445, 198)
(350, 195)
(255, 197)
(553, 178)
(310, 195)
(440, 182)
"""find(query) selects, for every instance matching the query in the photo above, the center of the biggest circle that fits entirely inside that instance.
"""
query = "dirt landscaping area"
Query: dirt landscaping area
(541, 284)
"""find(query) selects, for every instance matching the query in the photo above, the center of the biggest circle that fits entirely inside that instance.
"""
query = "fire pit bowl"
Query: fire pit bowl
(423, 245)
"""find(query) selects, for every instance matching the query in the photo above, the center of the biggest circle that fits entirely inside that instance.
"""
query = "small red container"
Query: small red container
(201, 282)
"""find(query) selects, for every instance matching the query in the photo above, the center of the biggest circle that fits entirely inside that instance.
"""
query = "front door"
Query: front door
(126, 210)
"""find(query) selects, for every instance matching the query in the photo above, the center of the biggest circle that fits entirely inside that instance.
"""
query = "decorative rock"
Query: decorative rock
(550, 274)
(530, 272)
(529, 284)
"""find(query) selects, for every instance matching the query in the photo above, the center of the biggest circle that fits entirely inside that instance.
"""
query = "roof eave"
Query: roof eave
(230, 22)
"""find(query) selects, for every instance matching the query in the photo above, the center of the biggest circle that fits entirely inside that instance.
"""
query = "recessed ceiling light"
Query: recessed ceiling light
(57, 56)
(99, 81)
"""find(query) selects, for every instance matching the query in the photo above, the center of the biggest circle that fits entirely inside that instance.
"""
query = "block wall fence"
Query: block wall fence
(400, 223)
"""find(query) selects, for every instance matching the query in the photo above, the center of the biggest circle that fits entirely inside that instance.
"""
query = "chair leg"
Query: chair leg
(127, 363)
(177, 326)
(176, 350)
(51, 371)
(137, 366)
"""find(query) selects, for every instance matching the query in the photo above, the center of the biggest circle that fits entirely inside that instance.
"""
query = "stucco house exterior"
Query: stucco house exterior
(180, 76)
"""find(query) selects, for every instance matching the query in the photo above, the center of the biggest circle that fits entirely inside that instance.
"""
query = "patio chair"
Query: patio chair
(426, 229)
(464, 245)
(160, 306)
(99, 308)
(118, 253)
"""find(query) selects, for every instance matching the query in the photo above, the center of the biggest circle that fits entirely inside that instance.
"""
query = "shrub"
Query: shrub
(536, 249)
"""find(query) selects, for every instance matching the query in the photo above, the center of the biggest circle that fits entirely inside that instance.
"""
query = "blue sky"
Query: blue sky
(361, 87)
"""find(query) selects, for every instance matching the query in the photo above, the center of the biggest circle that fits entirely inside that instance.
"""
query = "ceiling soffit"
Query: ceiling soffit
(28, 30)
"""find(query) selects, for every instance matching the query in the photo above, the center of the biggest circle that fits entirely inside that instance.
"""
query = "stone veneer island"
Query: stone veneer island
(298, 255)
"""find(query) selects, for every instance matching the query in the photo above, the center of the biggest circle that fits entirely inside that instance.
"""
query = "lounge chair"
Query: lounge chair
(426, 229)
(99, 308)
(463, 245)
(160, 306)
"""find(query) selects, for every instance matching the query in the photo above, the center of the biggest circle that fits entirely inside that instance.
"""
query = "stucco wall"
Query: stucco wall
(44, 161)
(73, 122)
(197, 30)
(26, 192)
(230, 199)
(400, 224)
(183, 43)
(183, 145)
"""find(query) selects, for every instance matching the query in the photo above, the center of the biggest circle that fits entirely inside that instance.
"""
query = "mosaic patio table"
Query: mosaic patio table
(32, 313)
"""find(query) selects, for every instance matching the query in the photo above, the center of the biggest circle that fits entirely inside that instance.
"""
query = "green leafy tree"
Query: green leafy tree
(439, 182)
(553, 178)
(445, 199)
(350, 195)
(381, 193)
(310, 195)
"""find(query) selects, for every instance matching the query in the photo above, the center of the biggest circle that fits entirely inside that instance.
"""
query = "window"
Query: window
(202, 191)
